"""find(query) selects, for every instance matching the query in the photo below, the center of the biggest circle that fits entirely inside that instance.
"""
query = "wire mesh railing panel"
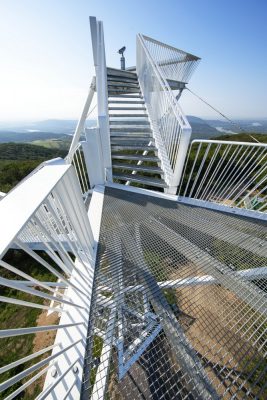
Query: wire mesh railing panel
(44, 294)
(175, 64)
(167, 119)
(180, 303)
(228, 173)
(79, 164)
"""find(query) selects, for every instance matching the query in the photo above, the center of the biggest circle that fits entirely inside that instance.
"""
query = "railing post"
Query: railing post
(81, 122)
(93, 157)
(98, 44)
(180, 160)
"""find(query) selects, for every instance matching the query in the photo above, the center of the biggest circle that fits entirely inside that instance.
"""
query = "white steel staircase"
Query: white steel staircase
(153, 295)
(133, 150)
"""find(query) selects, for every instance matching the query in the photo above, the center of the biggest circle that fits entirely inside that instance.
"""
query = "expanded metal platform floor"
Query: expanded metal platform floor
(179, 303)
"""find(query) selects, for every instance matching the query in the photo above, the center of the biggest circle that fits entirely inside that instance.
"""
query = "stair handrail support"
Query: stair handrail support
(98, 45)
(81, 123)
(141, 74)
(173, 151)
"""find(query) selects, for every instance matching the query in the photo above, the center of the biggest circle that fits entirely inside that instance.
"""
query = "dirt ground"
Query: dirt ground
(42, 340)
(212, 319)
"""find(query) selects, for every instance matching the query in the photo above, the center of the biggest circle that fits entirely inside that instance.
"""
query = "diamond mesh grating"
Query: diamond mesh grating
(172, 316)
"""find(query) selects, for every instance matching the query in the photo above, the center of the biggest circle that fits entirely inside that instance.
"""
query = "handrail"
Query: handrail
(231, 142)
(77, 159)
(226, 172)
(81, 123)
(47, 208)
(171, 129)
(176, 109)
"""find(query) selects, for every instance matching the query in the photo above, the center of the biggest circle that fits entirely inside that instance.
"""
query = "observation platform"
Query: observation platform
(179, 302)
(109, 291)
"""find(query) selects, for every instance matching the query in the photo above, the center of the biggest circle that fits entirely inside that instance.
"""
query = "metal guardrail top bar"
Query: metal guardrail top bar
(253, 144)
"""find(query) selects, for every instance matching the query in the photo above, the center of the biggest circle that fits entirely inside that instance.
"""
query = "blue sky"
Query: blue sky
(46, 58)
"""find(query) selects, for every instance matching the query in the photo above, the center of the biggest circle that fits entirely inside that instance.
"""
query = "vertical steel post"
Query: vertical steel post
(123, 62)
(180, 160)
(93, 157)
(97, 35)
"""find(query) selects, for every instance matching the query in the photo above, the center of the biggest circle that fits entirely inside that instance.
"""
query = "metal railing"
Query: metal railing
(77, 159)
(226, 172)
(99, 56)
(173, 63)
(92, 157)
(49, 206)
(171, 129)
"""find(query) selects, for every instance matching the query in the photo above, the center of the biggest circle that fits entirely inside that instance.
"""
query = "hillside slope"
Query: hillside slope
(244, 137)
(17, 160)
(25, 151)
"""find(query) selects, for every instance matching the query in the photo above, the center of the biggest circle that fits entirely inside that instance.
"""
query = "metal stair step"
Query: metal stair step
(119, 79)
(119, 73)
(130, 135)
(141, 167)
(128, 115)
(138, 157)
(127, 96)
(117, 86)
(112, 92)
(141, 179)
(128, 122)
(122, 81)
(131, 129)
(132, 140)
(126, 102)
(141, 147)
(127, 108)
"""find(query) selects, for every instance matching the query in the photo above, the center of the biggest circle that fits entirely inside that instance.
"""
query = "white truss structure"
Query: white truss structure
(133, 270)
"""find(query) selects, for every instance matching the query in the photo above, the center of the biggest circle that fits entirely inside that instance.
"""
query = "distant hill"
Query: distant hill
(244, 137)
(23, 151)
(55, 126)
(201, 129)
(249, 125)
(210, 129)
(55, 133)
(10, 136)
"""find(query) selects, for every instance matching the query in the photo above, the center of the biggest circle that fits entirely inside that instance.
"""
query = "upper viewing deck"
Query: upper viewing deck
(136, 268)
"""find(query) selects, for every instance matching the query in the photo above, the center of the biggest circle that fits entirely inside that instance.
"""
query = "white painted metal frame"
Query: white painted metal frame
(49, 204)
(171, 129)
(81, 123)
(78, 161)
(98, 45)
(228, 173)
